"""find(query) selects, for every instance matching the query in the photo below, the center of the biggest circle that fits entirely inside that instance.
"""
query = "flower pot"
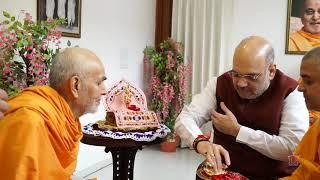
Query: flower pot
(168, 146)
(170, 143)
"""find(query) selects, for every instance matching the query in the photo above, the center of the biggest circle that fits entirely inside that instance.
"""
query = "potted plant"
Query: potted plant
(168, 82)
(26, 51)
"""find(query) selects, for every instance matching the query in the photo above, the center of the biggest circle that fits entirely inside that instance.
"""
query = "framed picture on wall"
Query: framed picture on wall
(70, 10)
(303, 29)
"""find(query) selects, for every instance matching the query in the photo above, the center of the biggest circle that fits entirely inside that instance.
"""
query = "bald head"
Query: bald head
(70, 62)
(255, 46)
(253, 67)
(310, 78)
(314, 56)
(77, 75)
(305, 2)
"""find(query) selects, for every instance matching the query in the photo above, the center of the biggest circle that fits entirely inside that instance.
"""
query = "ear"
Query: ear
(272, 71)
(75, 85)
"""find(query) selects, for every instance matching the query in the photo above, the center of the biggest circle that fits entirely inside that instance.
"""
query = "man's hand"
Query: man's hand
(3, 104)
(213, 153)
(227, 123)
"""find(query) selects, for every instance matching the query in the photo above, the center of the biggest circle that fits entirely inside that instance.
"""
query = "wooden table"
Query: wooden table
(123, 153)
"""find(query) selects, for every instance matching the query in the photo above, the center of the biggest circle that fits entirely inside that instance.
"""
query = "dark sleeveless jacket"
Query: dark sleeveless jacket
(262, 113)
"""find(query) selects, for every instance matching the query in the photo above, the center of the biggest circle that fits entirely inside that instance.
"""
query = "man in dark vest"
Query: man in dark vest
(258, 115)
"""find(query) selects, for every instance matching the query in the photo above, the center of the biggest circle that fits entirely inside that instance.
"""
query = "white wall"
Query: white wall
(267, 19)
(118, 31)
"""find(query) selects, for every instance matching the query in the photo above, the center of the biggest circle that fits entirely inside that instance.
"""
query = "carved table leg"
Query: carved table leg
(123, 162)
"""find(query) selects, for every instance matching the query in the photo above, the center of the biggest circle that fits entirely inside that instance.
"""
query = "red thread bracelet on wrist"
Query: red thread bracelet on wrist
(200, 138)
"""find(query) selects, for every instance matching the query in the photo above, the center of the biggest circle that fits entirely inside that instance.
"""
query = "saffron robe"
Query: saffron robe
(303, 41)
(307, 153)
(314, 116)
(39, 137)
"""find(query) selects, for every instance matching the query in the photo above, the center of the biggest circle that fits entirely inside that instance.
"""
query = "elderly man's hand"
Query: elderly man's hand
(227, 123)
(3, 104)
(214, 154)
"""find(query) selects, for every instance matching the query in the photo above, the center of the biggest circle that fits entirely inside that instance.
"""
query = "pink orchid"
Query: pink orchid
(168, 79)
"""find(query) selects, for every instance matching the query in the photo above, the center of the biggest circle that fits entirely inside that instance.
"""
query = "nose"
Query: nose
(242, 82)
(103, 90)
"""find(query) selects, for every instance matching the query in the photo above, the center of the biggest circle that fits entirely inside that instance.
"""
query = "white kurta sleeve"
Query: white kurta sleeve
(294, 124)
(196, 114)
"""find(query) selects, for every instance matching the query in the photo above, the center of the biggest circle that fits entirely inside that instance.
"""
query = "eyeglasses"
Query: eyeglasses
(249, 77)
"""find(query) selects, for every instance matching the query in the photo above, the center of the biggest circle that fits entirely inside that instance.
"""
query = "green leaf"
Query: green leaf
(10, 28)
(15, 24)
(6, 14)
(19, 44)
(6, 22)
(19, 24)
(46, 56)
(13, 18)
(25, 43)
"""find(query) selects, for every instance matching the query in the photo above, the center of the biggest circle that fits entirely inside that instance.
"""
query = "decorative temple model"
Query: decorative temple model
(127, 110)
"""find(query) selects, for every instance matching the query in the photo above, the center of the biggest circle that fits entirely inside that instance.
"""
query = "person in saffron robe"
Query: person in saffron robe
(40, 133)
(309, 36)
(257, 113)
(308, 150)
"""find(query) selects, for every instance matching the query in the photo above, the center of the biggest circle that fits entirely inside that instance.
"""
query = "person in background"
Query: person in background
(308, 150)
(40, 133)
(257, 114)
(309, 36)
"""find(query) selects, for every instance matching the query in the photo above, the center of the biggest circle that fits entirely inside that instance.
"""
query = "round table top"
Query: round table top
(113, 143)
(93, 136)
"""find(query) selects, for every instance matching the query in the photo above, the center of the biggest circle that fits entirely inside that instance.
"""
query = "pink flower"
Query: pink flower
(154, 85)
(6, 70)
(169, 79)
(44, 46)
(10, 79)
(30, 48)
(165, 113)
(166, 95)
(29, 56)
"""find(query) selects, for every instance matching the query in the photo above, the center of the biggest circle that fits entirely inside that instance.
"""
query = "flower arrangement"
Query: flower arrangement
(168, 82)
(26, 51)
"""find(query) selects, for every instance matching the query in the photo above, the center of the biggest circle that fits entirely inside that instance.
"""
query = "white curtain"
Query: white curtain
(204, 27)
